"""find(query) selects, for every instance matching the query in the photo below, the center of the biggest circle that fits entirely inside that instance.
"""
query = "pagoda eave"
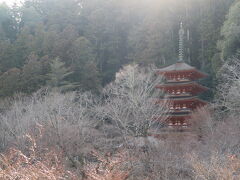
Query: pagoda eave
(183, 104)
(173, 117)
(192, 88)
(192, 74)
(183, 85)
(182, 100)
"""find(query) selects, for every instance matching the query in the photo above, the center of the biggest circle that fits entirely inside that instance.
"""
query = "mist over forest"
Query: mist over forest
(77, 79)
(94, 39)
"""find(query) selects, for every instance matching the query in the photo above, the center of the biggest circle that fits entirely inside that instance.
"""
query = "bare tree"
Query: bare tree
(226, 132)
(130, 101)
(217, 167)
(218, 158)
(228, 90)
(129, 107)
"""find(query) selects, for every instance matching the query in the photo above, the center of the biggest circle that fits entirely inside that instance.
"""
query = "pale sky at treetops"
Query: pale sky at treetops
(10, 2)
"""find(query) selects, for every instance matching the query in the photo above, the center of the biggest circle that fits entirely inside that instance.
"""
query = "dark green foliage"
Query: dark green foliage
(28, 79)
(10, 82)
(230, 44)
(95, 38)
(57, 78)
(33, 74)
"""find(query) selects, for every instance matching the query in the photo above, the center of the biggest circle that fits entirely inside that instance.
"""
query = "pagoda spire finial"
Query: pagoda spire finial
(181, 40)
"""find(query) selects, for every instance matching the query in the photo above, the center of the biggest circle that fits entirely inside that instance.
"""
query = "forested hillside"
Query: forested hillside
(78, 96)
(92, 39)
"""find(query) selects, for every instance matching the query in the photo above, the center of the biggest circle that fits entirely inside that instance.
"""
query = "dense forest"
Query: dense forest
(77, 80)
(82, 44)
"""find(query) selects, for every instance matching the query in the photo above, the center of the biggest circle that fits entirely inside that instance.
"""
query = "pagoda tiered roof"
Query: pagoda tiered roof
(181, 69)
(179, 66)
(189, 102)
(189, 87)
(193, 101)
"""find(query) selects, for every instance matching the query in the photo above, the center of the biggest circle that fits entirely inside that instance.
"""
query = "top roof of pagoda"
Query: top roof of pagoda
(179, 66)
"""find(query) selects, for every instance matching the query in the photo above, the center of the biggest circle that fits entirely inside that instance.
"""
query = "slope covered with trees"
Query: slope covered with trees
(74, 117)
(95, 38)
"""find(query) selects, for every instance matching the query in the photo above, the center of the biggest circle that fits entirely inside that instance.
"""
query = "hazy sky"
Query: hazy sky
(10, 2)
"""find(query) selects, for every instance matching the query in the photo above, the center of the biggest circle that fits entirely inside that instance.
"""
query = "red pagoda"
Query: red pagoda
(181, 90)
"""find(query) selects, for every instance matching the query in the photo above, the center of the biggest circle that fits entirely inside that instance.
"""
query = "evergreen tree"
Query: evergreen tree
(82, 61)
(10, 82)
(33, 75)
(230, 44)
(57, 78)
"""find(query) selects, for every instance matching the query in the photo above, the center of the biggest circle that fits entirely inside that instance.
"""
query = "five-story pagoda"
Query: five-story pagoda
(181, 89)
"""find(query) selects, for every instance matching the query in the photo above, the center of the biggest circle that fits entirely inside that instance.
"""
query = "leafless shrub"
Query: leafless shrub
(225, 134)
(228, 90)
(202, 122)
(217, 167)
(224, 137)
(160, 160)
(109, 167)
(66, 118)
(35, 164)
